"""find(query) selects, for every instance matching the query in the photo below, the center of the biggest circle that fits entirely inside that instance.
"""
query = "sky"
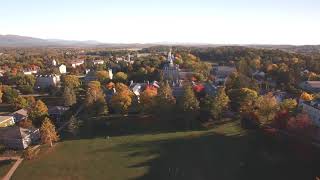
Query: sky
(295, 22)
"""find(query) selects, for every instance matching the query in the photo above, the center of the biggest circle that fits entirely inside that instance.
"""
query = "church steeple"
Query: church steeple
(170, 60)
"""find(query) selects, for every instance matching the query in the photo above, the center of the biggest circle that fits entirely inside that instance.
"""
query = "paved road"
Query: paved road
(13, 168)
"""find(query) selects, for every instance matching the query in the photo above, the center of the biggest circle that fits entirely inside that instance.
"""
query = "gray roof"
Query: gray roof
(15, 132)
(313, 84)
(19, 115)
(57, 110)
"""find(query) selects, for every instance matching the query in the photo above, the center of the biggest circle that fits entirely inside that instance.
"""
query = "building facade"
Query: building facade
(63, 69)
(46, 81)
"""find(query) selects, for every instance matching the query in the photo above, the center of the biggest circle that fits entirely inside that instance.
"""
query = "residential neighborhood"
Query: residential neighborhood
(160, 90)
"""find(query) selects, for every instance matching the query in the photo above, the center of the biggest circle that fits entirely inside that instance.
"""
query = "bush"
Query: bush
(30, 153)
(26, 89)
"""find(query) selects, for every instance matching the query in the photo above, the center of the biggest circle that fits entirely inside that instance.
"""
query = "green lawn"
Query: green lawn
(225, 152)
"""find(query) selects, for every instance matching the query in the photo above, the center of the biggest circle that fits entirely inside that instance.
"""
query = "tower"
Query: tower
(170, 60)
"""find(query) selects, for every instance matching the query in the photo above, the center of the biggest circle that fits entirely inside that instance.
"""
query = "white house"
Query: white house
(46, 81)
(54, 62)
(30, 71)
(110, 73)
(63, 69)
(76, 63)
(98, 62)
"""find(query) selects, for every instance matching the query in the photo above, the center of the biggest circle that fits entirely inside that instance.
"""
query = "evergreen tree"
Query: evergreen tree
(218, 103)
(73, 126)
(189, 101)
(189, 104)
(69, 96)
(48, 132)
(165, 100)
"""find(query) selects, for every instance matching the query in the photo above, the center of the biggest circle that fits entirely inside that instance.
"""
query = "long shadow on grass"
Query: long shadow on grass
(216, 157)
(130, 126)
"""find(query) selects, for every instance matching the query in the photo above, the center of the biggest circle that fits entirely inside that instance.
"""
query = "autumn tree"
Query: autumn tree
(122, 99)
(301, 124)
(71, 81)
(267, 106)
(1, 94)
(38, 112)
(48, 132)
(94, 93)
(69, 96)
(95, 98)
(242, 99)
(164, 100)
(147, 99)
(121, 77)
(248, 98)
(288, 105)
(102, 76)
(9, 94)
(25, 83)
(306, 96)
(21, 102)
(219, 104)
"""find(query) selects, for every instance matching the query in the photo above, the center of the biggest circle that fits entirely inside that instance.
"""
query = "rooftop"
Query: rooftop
(314, 84)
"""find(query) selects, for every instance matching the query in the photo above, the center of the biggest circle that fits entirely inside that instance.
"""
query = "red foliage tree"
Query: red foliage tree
(281, 120)
(301, 124)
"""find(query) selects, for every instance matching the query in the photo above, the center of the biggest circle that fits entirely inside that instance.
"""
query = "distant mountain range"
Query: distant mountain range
(24, 41)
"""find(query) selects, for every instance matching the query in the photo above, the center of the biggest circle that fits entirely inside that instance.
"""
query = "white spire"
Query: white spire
(170, 58)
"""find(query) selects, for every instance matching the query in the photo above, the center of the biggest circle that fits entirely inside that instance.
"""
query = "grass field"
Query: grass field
(224, 152)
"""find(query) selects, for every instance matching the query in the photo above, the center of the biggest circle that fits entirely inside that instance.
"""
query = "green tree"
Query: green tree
(189, 102)
(48, 132)
(73, 126)
(69, 96)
